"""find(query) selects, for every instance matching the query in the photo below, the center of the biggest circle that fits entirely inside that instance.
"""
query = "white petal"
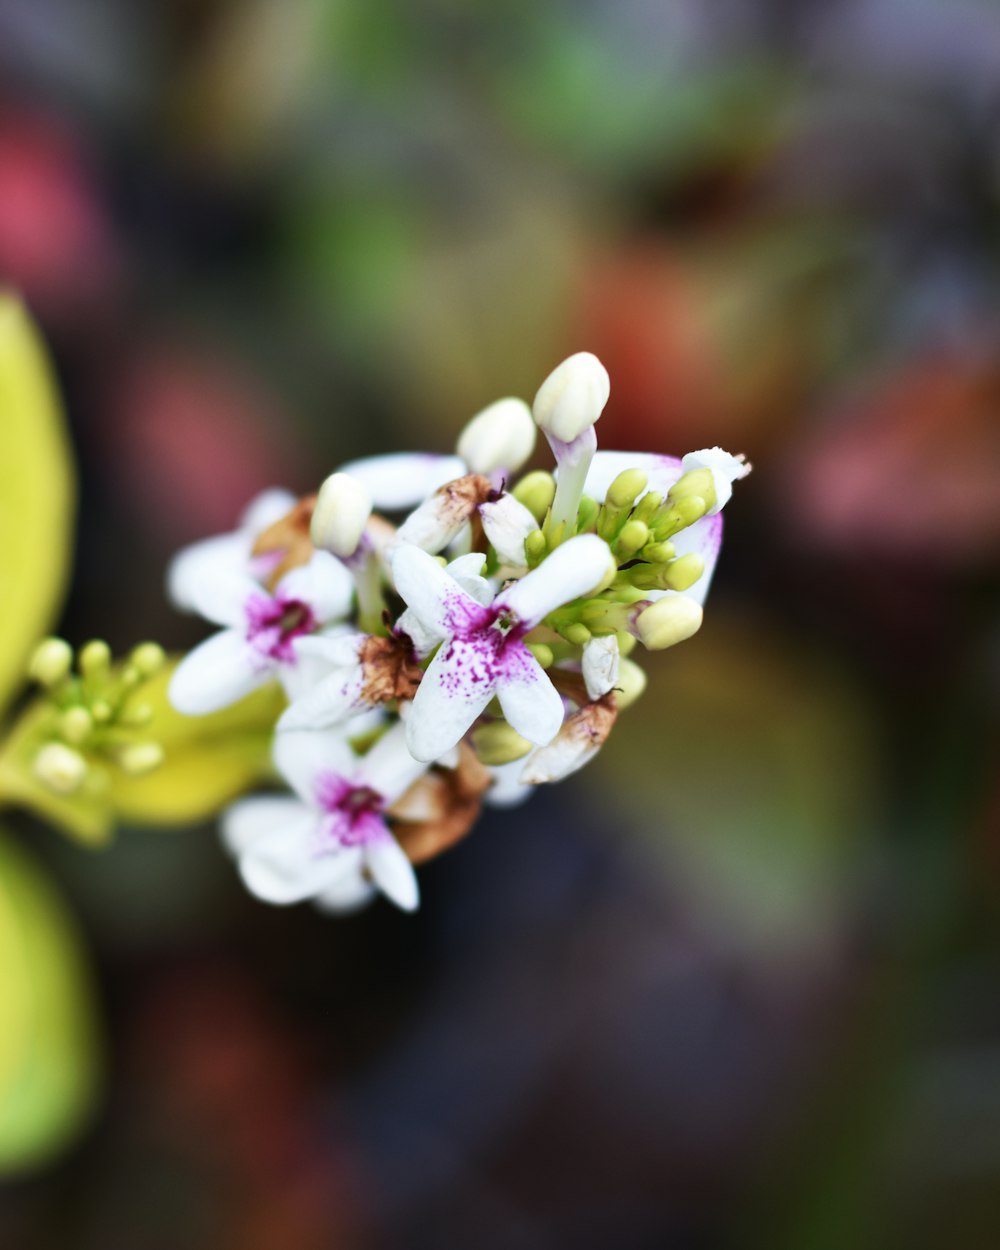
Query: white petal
(244, 823)
(266, 508)
(386, 860)
(725, 470)
(572, 397)
(600, 665)
(220, 671)
(662, 471)
(565, 754)
(302, 756)
(335, 699)
(454, 690)
(465, 571)
(219, 591)
(573, 569)
(507, 523)
(402, 481)
(434, 524)
(389, 768)
(337, 649)
(230, 552)
(422, 639)
(290, 863)
(324, 584)
(530, 702)
(508, 790)
(349, 893)
(433, 594)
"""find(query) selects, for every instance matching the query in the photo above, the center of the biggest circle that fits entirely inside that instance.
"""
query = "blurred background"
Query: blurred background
(736, 985)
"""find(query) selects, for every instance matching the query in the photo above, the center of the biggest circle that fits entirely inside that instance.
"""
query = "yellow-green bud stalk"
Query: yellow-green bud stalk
(668, 621)
(95, 659)
(631, 683)
(50, 662)
(148, 658)
(679, 574)
(626, 488)
(140, 757)
(698, 483)
(60, 768)
(497, 743)
(75, 724)
(648, 506)
(633, 537)
(536, 491)
(542, 653)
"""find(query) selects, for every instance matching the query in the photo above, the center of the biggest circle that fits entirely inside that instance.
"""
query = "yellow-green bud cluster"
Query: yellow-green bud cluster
(93, 718)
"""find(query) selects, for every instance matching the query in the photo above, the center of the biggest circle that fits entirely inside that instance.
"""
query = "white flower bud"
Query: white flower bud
(51, 661)
(668, 621)
(501, 437)
(725, 470)
(343, 507)
(507, 523)
(572, 397)
(61, 768)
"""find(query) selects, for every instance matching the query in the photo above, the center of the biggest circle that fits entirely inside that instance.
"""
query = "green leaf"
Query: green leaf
(49, 1041)
(36, 493)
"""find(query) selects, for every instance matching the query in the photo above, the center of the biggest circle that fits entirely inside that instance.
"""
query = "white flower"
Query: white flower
(329, 841)
(572, 397)
(263, 631)
(507, 523)
(342, 509)
(233, 550)
(499, 439)
(483, 654)
(401, 480)
(703, 538)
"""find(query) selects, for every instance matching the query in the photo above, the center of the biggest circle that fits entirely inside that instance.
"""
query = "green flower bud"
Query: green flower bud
(542, 653)
(75, 724)
(631, 683)
(536, 491)
(633, 538)
(497, 743)
(50, 662)
(95, 659)
(140, 757)
(535, 548)
(576, 633)
(626, 488)
(148, 658)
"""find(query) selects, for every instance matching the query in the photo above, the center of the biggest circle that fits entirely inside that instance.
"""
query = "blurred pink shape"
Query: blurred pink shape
(55, 240)
(910, 470)
(194, 437)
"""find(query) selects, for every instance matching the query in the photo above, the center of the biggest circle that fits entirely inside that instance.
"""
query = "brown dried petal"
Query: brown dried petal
(290, 534)
(390, 671)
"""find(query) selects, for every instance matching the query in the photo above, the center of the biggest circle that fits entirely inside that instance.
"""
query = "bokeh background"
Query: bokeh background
(738, 984)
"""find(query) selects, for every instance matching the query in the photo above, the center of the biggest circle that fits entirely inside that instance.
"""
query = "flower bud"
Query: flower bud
(147, 658)
(140, 757)
(633, 537)
(572, 397)
(95, 658)
(626, 488)
(497, 743)
(630, 685)
(60, 768)
(600, 665)
(725, 470)
(668, 621)
(501, 437)
(75, 724)
(342, 509)
(536, 491)
(50, 662)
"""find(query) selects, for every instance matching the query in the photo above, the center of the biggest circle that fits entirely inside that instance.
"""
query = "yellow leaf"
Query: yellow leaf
(36, 493)
(210, 760)
(49, 1046)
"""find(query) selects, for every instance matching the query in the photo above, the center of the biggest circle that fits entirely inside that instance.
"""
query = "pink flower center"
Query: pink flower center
(274, 624)
(355, 812)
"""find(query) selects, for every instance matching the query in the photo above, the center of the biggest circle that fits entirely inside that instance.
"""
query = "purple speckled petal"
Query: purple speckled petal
(530, 702)
(458, 684)
(292, 861)
(336, 698)
(303, 757)
(432, 593)
(571, 570)
(402, 481)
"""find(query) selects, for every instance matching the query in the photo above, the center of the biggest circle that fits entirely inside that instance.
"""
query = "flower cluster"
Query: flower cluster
(445, 634)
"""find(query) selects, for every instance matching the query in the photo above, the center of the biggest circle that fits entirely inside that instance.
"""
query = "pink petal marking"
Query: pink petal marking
(274, 624)
(354, 813)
